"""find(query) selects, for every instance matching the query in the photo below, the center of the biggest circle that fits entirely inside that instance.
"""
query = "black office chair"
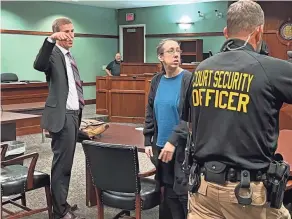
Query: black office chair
(8, 77)
(115, 174)
(17, 179)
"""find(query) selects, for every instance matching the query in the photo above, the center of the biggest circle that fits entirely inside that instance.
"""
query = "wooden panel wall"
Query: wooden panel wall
(23, 93)
(18, 93)
(276, 13)
(144, 68)
(139, 68)
(125, 98)
(285, 118)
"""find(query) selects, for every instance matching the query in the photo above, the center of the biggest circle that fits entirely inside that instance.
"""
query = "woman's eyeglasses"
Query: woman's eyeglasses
(172, 51)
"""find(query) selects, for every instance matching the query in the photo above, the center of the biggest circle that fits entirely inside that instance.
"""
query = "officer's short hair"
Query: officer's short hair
(244, 16)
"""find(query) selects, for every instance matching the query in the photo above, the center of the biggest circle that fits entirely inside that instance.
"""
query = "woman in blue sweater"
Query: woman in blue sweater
(167, 93)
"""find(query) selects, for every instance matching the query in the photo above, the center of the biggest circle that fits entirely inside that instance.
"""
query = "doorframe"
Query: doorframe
(121, 37)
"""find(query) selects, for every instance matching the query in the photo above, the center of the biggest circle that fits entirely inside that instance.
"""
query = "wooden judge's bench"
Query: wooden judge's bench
(124, 98)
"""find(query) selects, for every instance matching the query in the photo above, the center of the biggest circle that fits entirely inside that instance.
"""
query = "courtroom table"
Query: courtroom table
(16, 124)
(26, 108)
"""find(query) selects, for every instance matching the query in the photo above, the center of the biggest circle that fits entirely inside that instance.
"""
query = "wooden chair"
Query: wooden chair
(115, 174)
(18, 179)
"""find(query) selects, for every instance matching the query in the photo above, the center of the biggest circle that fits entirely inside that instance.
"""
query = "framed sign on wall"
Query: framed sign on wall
(130, 17)
(285, 30)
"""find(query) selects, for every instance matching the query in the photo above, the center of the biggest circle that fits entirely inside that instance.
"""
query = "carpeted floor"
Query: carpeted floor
(77, 185)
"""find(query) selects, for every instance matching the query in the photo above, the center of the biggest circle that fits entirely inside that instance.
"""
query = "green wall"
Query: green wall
(162, 20)
(19, 51)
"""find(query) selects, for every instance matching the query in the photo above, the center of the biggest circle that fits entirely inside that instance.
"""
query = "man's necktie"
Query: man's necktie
(77, 80)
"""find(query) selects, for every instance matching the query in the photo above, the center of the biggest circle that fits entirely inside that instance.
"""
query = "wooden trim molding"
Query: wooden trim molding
(88, 83)
(168, 35)
(172, 35)
(90, 101)
(42, 33)
(270, 31)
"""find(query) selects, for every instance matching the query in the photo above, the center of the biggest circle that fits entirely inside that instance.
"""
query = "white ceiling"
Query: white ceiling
(133, 3)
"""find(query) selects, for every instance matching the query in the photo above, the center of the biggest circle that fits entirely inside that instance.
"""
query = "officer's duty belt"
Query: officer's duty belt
(275, 178)
(220, 173)
(234, 175)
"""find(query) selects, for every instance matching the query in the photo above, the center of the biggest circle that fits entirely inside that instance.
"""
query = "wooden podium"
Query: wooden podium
(123, 99)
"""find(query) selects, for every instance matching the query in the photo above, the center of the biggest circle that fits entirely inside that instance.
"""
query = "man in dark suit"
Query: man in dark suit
(63, 109)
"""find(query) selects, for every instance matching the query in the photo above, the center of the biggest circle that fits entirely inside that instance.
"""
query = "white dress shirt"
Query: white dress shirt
(72, 98)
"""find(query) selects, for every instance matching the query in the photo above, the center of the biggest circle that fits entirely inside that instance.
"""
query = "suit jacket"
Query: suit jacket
(51, 61)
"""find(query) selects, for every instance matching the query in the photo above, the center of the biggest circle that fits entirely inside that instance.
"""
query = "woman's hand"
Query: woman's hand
(148, 151)
(166, 153)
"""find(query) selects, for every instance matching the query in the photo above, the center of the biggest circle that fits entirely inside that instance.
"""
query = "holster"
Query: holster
(194, 178)
(277, 177)
(188, 160)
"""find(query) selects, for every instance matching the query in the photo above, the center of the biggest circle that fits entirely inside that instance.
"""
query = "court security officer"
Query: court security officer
(235, 98)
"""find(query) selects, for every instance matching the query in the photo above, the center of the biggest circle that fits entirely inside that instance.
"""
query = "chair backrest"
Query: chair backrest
(113, 167)
(8, 77)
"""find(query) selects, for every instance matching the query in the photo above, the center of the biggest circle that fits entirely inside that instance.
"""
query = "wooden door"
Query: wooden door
(276, 13)
(133, 44)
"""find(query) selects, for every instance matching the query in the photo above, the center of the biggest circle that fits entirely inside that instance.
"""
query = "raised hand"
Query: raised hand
(62, 36)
